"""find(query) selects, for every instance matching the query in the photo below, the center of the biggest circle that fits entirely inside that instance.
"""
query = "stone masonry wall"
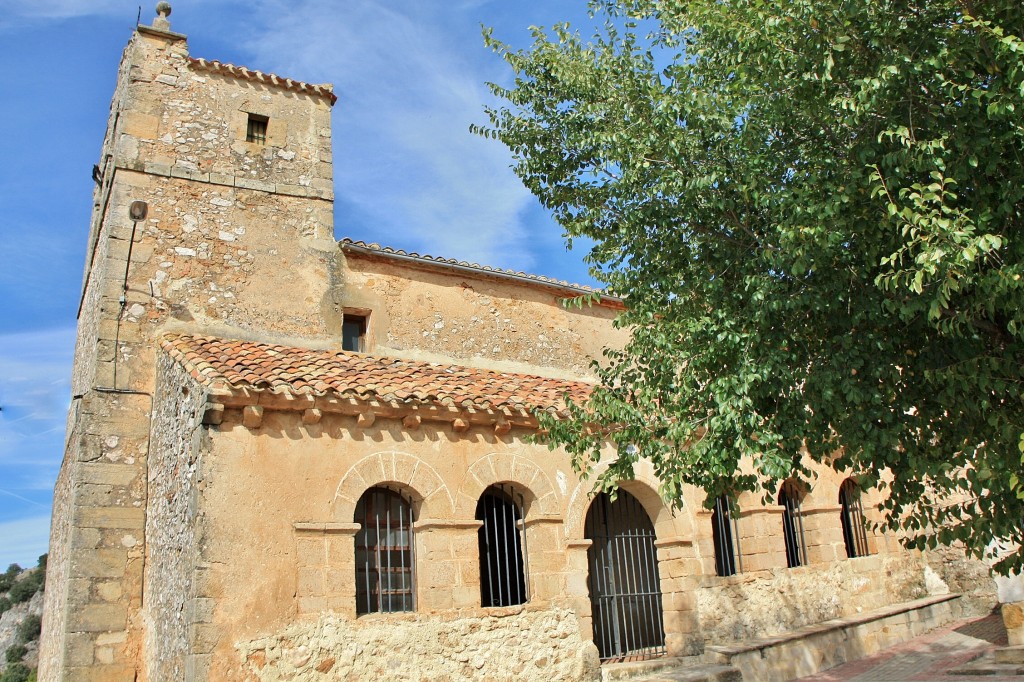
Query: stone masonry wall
(238, 241)
(57, 577)
(92, 621)
(520, 645)
(86, 355)
(173, 523)
(239, 236)
(475, 319)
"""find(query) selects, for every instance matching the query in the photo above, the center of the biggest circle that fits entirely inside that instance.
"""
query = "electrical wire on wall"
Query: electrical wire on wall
(137, 211)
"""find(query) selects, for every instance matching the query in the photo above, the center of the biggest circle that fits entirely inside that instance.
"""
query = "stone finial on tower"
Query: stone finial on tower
(163, 10)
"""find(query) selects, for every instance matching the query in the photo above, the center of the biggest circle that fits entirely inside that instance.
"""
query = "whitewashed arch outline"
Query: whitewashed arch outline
(502, 467)
(430, 495)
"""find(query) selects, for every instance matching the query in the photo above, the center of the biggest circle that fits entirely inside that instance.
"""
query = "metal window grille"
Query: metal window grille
(724, 528)
(385, 574)
(855, 534)
(256, 129)
(502, 548)
(793, 525)
(625, 589)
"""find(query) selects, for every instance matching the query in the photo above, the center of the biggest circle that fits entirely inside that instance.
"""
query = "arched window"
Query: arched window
(793, 524)
(385, 570)
(502, 551)
(726, 537)
(855, 535)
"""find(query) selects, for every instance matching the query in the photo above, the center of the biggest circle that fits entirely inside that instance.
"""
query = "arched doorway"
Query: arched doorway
(625, 588)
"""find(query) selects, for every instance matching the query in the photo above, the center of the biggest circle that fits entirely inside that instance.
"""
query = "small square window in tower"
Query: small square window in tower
(353, 332)
(256, 129)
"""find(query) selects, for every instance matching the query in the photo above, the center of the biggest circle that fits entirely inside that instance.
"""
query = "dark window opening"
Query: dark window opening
(353, 333)
(385, 575)
(855, 535)
(501, 540)
(256, 129)
(793, 525)
(726, 537)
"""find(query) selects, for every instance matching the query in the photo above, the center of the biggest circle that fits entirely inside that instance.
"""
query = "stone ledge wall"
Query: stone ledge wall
(514, 644)
(971, 578)
(748, 606)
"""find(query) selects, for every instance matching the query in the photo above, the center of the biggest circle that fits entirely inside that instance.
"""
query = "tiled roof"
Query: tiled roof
(451, 262)
(323, 90)
(224, 363)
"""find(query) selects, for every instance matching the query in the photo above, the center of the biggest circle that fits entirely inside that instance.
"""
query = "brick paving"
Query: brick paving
(930, 657)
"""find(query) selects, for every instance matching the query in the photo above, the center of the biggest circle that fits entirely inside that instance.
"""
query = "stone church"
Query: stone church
(292, 458)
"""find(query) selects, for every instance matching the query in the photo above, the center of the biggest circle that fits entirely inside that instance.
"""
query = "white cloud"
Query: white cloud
(35, 371)
(22, 541)
(15, 12)
(404, 160)
(60, 9)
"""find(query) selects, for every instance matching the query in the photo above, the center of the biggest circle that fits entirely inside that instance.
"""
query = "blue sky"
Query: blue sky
(410, 76)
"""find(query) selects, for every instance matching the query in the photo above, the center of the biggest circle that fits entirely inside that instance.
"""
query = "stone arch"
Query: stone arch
(500, 467)
(799, 486)
(430, 496)
(644, 487)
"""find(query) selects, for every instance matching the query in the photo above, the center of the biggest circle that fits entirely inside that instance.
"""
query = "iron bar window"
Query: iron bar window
(256, 129)
(855, 534)
(385, 568)
(725, 531)
(793, 524)
(502, 545)
(624, 583)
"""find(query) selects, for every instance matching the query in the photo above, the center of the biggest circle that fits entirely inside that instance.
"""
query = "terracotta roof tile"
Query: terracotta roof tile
(225, 363)
(323, 90)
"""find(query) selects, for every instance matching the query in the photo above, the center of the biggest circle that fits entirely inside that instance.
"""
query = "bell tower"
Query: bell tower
(212, 213)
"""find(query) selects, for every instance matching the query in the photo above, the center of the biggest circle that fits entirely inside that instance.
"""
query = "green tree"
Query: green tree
(29, 629)
(15, 653)
(7, 578)
(814, 211)
(16, 672)
(26, 588)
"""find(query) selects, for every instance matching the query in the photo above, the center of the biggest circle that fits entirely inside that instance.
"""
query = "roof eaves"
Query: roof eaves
(324, 90)
(368, 403)
(439, 262)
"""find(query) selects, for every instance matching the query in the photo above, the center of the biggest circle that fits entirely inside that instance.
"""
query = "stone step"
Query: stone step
(701, 673)
(1010, 655)
(670, 669)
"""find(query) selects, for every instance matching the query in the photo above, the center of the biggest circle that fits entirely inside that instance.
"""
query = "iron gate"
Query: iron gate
(625, 591)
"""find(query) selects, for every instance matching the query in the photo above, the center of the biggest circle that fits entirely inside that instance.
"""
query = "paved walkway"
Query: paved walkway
(945, 655)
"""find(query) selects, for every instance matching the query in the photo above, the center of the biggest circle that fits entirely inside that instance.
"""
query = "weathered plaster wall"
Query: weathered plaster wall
(475, 319)
(282, 499)
(282, 495)
(173, 522)
(513, 644)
